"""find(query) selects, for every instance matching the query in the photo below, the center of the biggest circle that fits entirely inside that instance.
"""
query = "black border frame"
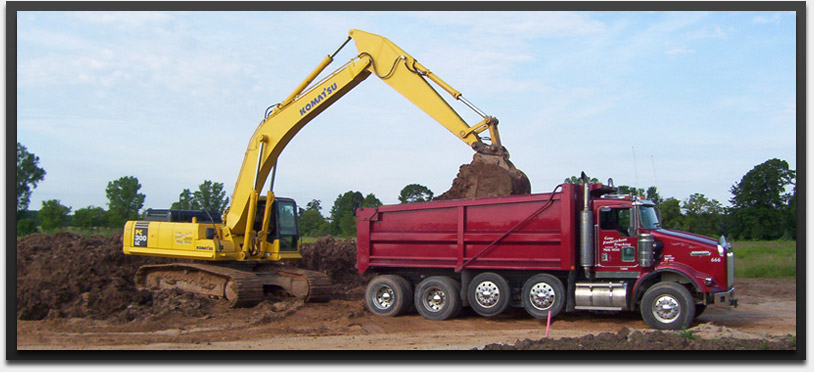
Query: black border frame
(14, 356)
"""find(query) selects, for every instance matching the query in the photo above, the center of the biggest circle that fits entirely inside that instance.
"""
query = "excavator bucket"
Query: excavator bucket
(488, 175)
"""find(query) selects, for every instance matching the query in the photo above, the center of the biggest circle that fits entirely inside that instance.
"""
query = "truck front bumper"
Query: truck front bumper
(723, 298)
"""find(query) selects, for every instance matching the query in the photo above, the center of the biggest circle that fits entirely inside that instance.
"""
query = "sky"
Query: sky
(686, 101)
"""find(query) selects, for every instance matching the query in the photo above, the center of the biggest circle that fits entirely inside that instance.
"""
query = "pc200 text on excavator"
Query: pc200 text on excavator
(257, 232)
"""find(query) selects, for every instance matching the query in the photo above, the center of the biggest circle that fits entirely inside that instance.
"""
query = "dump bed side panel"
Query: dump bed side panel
(492, 233)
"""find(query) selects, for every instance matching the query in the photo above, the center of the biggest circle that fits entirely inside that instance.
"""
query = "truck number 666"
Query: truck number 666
(716, 259)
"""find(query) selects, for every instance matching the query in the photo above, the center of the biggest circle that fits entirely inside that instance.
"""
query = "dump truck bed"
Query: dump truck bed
(522, 232)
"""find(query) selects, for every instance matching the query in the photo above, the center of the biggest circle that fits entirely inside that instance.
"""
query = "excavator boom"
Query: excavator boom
(261, 229)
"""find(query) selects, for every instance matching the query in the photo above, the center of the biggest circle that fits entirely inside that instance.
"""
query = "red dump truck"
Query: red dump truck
(580, 247)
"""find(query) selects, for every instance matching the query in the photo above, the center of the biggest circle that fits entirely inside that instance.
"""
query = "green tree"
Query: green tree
(371, 201)
(414, 193)
(576, 180)
(312, 223)
(26, 226)
(124, 200)
(54, 215)
(653, 195)
(211, 197)
(625, 190)
(89, 217)
(343, 213)
(671, 217)
(186, 201)
(703, 216)
(28, 175)
(760, 202)
(314, 204)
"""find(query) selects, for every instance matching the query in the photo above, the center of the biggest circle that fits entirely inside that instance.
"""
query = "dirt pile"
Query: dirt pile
(66, 275)
(487, 176)
(649, 340)
(69, 276)
(337, 259)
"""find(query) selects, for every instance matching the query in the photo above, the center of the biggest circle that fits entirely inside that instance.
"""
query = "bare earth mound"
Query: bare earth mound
(648, 340)
(487, 176)
(69, 276)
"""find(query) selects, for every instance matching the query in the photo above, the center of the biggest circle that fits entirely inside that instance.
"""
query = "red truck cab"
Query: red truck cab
(579, 248)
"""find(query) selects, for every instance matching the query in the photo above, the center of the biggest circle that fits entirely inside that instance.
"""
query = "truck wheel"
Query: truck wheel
(408, 294)
(488, 294)
(387, 295)
(668, 305)
(438, 298)
(543, 293)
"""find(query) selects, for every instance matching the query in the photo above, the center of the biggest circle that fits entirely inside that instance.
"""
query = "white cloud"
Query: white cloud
(679, 50)
(122, 19)
(774, 18)
(709, 32)
(523, 25)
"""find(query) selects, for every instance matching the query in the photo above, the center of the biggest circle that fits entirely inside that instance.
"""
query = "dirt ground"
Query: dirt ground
(106, 312)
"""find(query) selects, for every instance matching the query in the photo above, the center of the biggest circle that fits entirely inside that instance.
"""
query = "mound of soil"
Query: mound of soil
(69, 276)
(337, 259)
(487, 176)
(649, 340)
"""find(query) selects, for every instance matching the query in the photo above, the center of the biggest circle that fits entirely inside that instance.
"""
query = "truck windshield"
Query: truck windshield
(648, 217)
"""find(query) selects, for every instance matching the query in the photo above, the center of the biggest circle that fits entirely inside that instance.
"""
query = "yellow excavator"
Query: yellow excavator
(245, 246)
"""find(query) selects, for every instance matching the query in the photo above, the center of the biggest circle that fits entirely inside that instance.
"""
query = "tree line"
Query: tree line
(124, 201)
(761, 208)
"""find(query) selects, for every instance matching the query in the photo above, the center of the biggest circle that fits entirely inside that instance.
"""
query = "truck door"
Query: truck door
(616, 238)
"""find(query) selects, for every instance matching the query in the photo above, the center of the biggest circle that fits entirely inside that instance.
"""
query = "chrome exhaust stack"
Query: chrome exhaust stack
(646, 244)
(586, 232)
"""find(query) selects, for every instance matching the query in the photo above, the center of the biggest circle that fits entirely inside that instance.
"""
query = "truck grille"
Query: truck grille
(730, 269)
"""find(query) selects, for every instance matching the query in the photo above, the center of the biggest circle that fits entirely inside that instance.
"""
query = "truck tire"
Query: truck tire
(387, 295)
(668, 305)
(408, 291)
(543, 293)
(488, 294)
(438, 298)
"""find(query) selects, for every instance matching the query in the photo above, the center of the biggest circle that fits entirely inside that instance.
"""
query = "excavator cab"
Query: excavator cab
(283, 224)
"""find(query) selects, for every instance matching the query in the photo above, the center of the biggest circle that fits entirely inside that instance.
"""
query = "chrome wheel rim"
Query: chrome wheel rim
(434, 299)
(383, 298)
(487, 294)
(666, 309)
(542, 296)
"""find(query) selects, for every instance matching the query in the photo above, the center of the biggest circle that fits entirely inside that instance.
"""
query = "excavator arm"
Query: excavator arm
(260, 230)
(377, 56)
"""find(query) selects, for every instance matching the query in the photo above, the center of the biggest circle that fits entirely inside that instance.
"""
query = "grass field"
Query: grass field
(765, 259)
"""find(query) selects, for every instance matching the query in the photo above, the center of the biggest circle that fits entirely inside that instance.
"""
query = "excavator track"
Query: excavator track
(241, 286)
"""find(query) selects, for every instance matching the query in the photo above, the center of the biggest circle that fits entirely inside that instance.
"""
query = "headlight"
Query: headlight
(720, 250)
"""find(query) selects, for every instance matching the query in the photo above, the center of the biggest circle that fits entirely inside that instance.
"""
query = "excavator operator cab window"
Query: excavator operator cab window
(286, 224)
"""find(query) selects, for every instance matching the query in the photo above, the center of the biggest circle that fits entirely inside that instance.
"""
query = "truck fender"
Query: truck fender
(677, 269)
